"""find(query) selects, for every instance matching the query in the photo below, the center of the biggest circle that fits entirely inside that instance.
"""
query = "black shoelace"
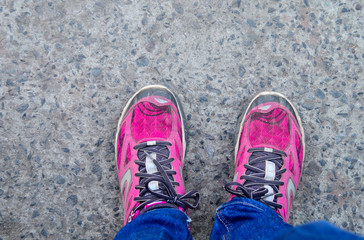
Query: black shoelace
(163, 176)
(253, 187)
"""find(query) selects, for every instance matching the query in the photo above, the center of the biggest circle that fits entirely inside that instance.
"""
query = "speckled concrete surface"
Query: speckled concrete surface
(68, 68)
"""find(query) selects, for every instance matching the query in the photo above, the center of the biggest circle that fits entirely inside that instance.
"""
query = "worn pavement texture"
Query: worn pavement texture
(67, 69)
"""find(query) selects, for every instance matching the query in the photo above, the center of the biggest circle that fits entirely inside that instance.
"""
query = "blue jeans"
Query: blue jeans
(240, 218)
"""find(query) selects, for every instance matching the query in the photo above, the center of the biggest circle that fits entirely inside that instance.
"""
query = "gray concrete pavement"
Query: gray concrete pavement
(67, 69)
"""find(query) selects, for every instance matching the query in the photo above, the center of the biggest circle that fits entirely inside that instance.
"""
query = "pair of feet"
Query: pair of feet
(150, 148)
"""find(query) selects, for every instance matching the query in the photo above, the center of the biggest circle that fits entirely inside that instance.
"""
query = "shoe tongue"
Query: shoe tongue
(152, 150)
(262, 164)
(159, 153)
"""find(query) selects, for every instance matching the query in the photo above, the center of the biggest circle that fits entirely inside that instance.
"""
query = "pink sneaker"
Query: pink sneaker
(269, 153)
(150, 148)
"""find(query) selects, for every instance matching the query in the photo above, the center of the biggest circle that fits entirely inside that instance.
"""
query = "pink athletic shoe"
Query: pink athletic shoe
(269, 153)
(150, 148)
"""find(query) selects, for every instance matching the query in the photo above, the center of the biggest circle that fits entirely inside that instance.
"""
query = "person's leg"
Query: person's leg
(163, 223)
(316, 231)
(244, 218)
(269, 153)
(149, 149)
